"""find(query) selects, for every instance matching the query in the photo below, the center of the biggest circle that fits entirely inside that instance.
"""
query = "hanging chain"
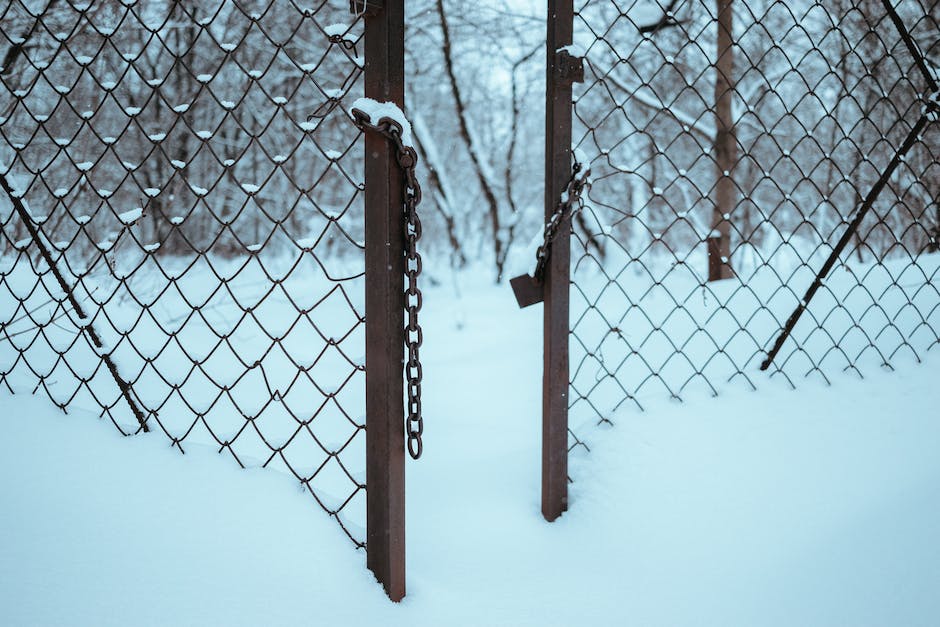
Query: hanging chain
(570, 198)
(407, 160)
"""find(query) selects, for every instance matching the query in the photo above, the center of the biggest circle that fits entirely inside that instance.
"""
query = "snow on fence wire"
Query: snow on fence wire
(182, 227)
(731, 144)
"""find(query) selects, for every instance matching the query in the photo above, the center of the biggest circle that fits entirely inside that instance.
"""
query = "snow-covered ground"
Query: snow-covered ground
(811, 507)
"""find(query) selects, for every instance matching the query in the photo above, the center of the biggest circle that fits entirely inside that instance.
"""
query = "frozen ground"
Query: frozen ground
(814, 507)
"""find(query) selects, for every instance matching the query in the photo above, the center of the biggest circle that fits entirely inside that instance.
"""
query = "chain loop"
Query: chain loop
(407, 159)
(570, 198)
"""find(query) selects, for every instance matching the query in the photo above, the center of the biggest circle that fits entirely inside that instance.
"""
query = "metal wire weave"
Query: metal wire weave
(184, 217)
(731, 142)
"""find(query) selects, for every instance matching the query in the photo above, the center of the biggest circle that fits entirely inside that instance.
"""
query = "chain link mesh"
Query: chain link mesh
(183, 226)
(731, 143)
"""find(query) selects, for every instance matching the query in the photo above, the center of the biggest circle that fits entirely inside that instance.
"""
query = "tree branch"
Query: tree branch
(464, 126)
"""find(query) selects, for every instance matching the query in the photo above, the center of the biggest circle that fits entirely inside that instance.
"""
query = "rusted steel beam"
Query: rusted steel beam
(385, 304)
(558, 113)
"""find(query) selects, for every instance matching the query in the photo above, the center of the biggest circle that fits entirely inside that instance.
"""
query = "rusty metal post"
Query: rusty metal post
(385, 305)
(558, 111)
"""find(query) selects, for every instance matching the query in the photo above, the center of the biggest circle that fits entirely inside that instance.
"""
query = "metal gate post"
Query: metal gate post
(558, 111)
(385, 304)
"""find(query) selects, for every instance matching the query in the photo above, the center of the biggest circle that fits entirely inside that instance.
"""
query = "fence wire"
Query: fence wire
(732, 143)
(182, 227)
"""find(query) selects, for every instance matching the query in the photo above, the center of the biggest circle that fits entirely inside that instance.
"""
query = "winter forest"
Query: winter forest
(226, 124)
(184, 251)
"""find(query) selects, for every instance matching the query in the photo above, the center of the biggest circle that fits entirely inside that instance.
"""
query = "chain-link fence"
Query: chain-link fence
(184, 218)
(739, 149)
(182, 245)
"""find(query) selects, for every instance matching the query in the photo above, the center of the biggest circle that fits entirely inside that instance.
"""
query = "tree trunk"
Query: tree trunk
(465, 133)
(719, 244)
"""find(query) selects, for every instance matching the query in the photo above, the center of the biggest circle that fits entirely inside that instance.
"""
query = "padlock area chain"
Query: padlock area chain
(407, 160)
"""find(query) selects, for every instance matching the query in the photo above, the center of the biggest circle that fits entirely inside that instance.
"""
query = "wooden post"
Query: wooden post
(385, 304)
(558, 111)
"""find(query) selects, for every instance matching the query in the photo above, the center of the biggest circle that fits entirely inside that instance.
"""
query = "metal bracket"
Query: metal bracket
(568, 68)
(366, 7)
(528, 290)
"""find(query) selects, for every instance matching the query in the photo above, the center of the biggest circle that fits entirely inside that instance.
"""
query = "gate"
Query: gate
(754, 186)
(196, 242)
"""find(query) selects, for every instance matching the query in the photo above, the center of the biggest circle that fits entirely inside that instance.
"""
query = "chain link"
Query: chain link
(129, 234)
(691, 197)
(407, 160)
(571, 198)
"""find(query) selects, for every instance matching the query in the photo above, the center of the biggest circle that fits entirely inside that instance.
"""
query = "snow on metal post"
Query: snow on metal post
(385, 304)
(558, 111)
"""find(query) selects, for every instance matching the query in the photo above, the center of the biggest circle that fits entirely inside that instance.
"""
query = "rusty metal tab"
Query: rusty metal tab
(568, 68)
(528, 290)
